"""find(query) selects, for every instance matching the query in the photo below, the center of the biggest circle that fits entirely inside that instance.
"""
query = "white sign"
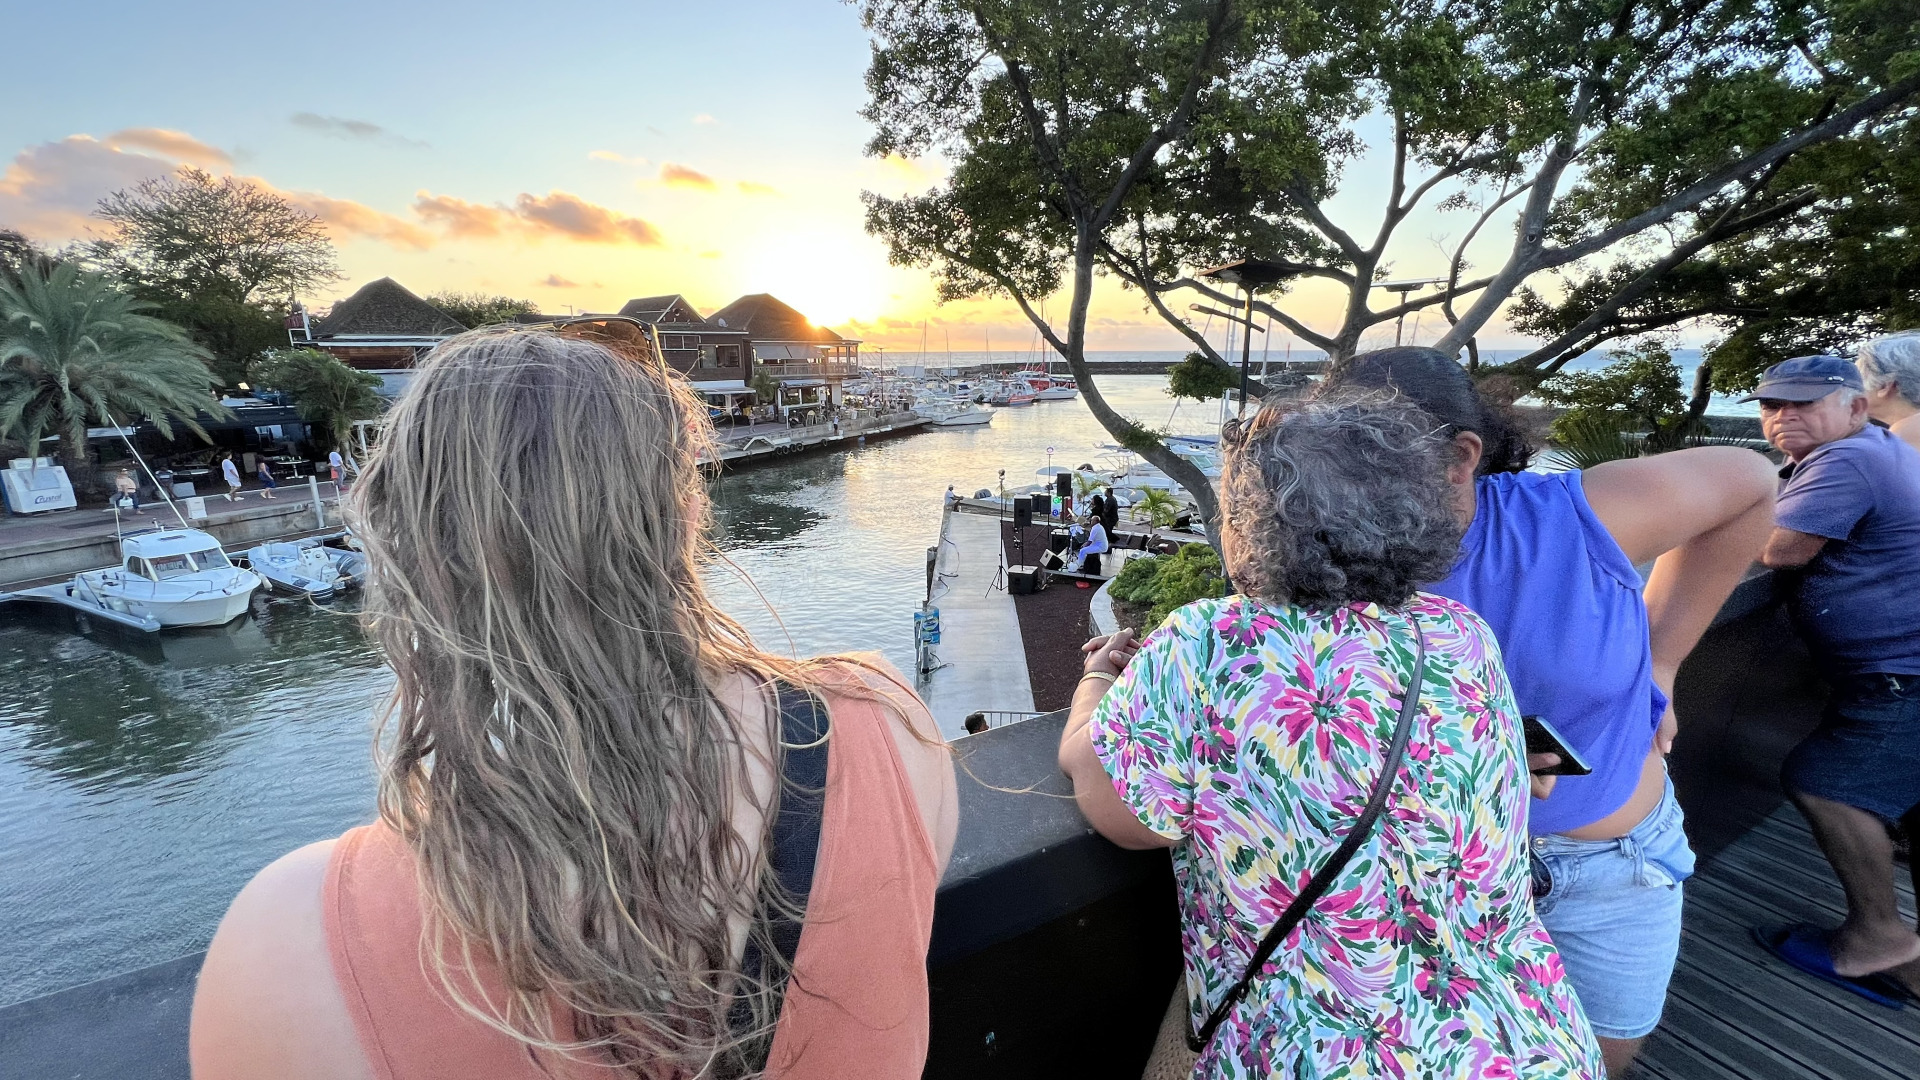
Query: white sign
(197, 508)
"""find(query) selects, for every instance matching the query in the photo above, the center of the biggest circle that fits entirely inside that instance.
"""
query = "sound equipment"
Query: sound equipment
(1024, 580)
(1059, 540)
(1063, 485)
(1053, 560)
(1022, 511)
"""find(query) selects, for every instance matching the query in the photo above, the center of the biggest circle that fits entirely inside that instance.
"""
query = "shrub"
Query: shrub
(1162, 583)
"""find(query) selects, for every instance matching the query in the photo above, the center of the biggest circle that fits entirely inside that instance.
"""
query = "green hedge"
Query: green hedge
(1165, 582)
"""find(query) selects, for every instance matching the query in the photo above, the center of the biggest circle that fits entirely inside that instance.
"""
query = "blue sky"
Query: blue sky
(576, 154)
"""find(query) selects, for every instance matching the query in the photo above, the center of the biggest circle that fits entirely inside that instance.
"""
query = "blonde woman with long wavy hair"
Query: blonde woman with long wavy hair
(615, 839)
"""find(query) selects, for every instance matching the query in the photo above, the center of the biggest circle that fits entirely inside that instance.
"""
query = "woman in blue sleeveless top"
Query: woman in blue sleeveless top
(1548, 561)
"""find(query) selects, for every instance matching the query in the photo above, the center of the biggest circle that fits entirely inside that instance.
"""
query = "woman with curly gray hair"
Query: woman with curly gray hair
(1336, 761)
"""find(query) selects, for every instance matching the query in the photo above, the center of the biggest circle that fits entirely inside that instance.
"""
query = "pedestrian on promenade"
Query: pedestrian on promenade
(1849, 517)
(267, 482)
(1890, 367)
(336, 467)
(1549, 562)
(231, 473)
(610, 830)
(126, 490)
(1252, 733)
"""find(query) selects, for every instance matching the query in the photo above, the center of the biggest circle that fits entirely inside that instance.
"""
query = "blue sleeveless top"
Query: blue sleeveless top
(1565, 605)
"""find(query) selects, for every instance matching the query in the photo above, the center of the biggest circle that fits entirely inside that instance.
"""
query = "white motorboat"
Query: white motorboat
(949, 414)
(167, 578)
(308, 568)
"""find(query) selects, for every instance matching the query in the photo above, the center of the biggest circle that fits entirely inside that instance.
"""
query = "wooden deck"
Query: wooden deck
(1737, 1013)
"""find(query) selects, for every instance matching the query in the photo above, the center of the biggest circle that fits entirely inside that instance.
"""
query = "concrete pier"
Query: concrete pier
(982, 664)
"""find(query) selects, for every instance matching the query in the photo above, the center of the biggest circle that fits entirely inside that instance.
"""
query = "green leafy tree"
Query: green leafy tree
(76, 350)
(1162, 583)
(219, 255)
(16, 252)
(1200, 379)
(326, 392)
(476, 309)
(1150, 138)
(1637, 392)
(766, 388)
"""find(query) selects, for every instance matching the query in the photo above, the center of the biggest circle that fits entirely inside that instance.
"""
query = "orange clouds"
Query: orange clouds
(535, 217)
(177, 145)
(749, 187)
(674, 175)
(358, 219)
(555, 281)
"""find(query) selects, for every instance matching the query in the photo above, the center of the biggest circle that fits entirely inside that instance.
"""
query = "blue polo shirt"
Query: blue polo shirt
(1855, 601)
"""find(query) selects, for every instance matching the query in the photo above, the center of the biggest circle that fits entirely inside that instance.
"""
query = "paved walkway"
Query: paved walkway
(97, 520)
(984, 666)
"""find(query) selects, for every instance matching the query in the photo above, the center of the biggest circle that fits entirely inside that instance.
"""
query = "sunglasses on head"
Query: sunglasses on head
(630, 338)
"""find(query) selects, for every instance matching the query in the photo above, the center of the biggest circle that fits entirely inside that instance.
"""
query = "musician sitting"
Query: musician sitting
(1086, 557)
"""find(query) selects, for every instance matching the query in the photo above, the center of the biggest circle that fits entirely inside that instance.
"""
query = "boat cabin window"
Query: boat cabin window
(138, 566)
(188, 562)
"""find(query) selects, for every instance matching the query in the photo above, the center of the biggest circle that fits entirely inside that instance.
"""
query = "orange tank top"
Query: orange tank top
(856, 1003)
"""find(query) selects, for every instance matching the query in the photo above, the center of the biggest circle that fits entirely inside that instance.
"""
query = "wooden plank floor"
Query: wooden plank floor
(1735, 1012)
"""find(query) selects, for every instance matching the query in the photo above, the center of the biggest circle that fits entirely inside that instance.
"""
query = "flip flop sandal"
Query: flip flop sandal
(1809, 949)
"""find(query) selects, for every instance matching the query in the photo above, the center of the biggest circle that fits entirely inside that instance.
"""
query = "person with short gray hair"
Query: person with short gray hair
(1247, 733)
(1847, 524)
(1890, 367)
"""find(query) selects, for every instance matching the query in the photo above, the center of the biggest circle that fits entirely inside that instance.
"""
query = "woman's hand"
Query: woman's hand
(1110, 653)
(1542, 785)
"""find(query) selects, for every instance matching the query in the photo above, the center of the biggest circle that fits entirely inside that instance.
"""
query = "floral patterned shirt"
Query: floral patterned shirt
(1251, 735)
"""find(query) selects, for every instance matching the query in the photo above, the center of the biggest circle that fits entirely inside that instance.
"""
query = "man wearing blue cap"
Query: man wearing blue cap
(1848, 517)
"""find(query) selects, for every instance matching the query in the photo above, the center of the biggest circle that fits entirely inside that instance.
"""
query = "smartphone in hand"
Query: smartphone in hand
(1543, 739)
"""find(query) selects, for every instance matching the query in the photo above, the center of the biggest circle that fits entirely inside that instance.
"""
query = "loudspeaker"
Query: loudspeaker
(1022, 511)
(1023, 580)
(1059, 540)
(1063, 485)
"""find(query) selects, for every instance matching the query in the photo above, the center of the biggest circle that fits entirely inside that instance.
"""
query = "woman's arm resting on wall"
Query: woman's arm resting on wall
(1093, 789)
(1702, 515)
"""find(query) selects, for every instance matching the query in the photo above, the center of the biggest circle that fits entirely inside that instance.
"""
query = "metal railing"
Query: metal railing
(804, 369)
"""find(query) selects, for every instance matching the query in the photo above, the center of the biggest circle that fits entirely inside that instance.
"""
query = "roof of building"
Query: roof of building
(385, 308)
(767, 319)
(672, 308)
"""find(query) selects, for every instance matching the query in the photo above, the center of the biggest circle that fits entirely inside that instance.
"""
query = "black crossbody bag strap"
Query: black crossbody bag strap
(1323, 878)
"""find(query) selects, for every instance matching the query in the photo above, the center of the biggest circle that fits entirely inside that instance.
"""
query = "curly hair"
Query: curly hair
(1341, 499)
(1442, 388)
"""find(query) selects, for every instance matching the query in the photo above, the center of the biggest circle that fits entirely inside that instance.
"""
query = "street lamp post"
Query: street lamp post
(1249, 274)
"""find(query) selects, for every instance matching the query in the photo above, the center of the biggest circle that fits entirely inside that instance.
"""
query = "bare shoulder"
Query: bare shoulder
(267, 1002)
(1654, 504)
(923, 750)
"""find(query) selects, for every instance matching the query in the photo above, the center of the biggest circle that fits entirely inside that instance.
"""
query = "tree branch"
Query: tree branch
(1176, 122)
(1701, 190)
(1721, 229)
(1298, 328)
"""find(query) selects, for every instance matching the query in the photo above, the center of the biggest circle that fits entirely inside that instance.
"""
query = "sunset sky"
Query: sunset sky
(575, 153)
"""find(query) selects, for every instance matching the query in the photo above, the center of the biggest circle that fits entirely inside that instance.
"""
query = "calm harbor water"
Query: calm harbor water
(143, 781)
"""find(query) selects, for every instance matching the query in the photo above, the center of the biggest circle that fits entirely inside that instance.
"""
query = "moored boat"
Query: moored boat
(166, 578)
(307, 568)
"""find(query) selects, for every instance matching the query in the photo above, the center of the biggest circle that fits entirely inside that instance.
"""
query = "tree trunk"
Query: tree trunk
(78, 463)
(1702, 392)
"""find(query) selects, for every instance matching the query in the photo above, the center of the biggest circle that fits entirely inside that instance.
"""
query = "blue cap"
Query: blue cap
(1807, 378)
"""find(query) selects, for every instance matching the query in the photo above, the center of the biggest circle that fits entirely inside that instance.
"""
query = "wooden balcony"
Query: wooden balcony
(831, 368)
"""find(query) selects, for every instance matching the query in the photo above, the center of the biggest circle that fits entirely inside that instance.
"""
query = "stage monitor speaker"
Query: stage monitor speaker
(1059, 540)
(1023, 580)
(1022, 511)
(1063, 485)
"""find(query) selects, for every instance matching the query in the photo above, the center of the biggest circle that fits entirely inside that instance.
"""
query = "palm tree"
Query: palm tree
(76, 350)
(1160, 507)
(325, 391)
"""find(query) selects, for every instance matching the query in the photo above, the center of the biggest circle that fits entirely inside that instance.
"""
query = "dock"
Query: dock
(745, 444)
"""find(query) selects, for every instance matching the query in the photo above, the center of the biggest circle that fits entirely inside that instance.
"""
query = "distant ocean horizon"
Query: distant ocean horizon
(1687, 360)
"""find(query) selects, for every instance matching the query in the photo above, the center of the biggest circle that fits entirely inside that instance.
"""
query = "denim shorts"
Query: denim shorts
(1614, 912)
(1866, 751)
